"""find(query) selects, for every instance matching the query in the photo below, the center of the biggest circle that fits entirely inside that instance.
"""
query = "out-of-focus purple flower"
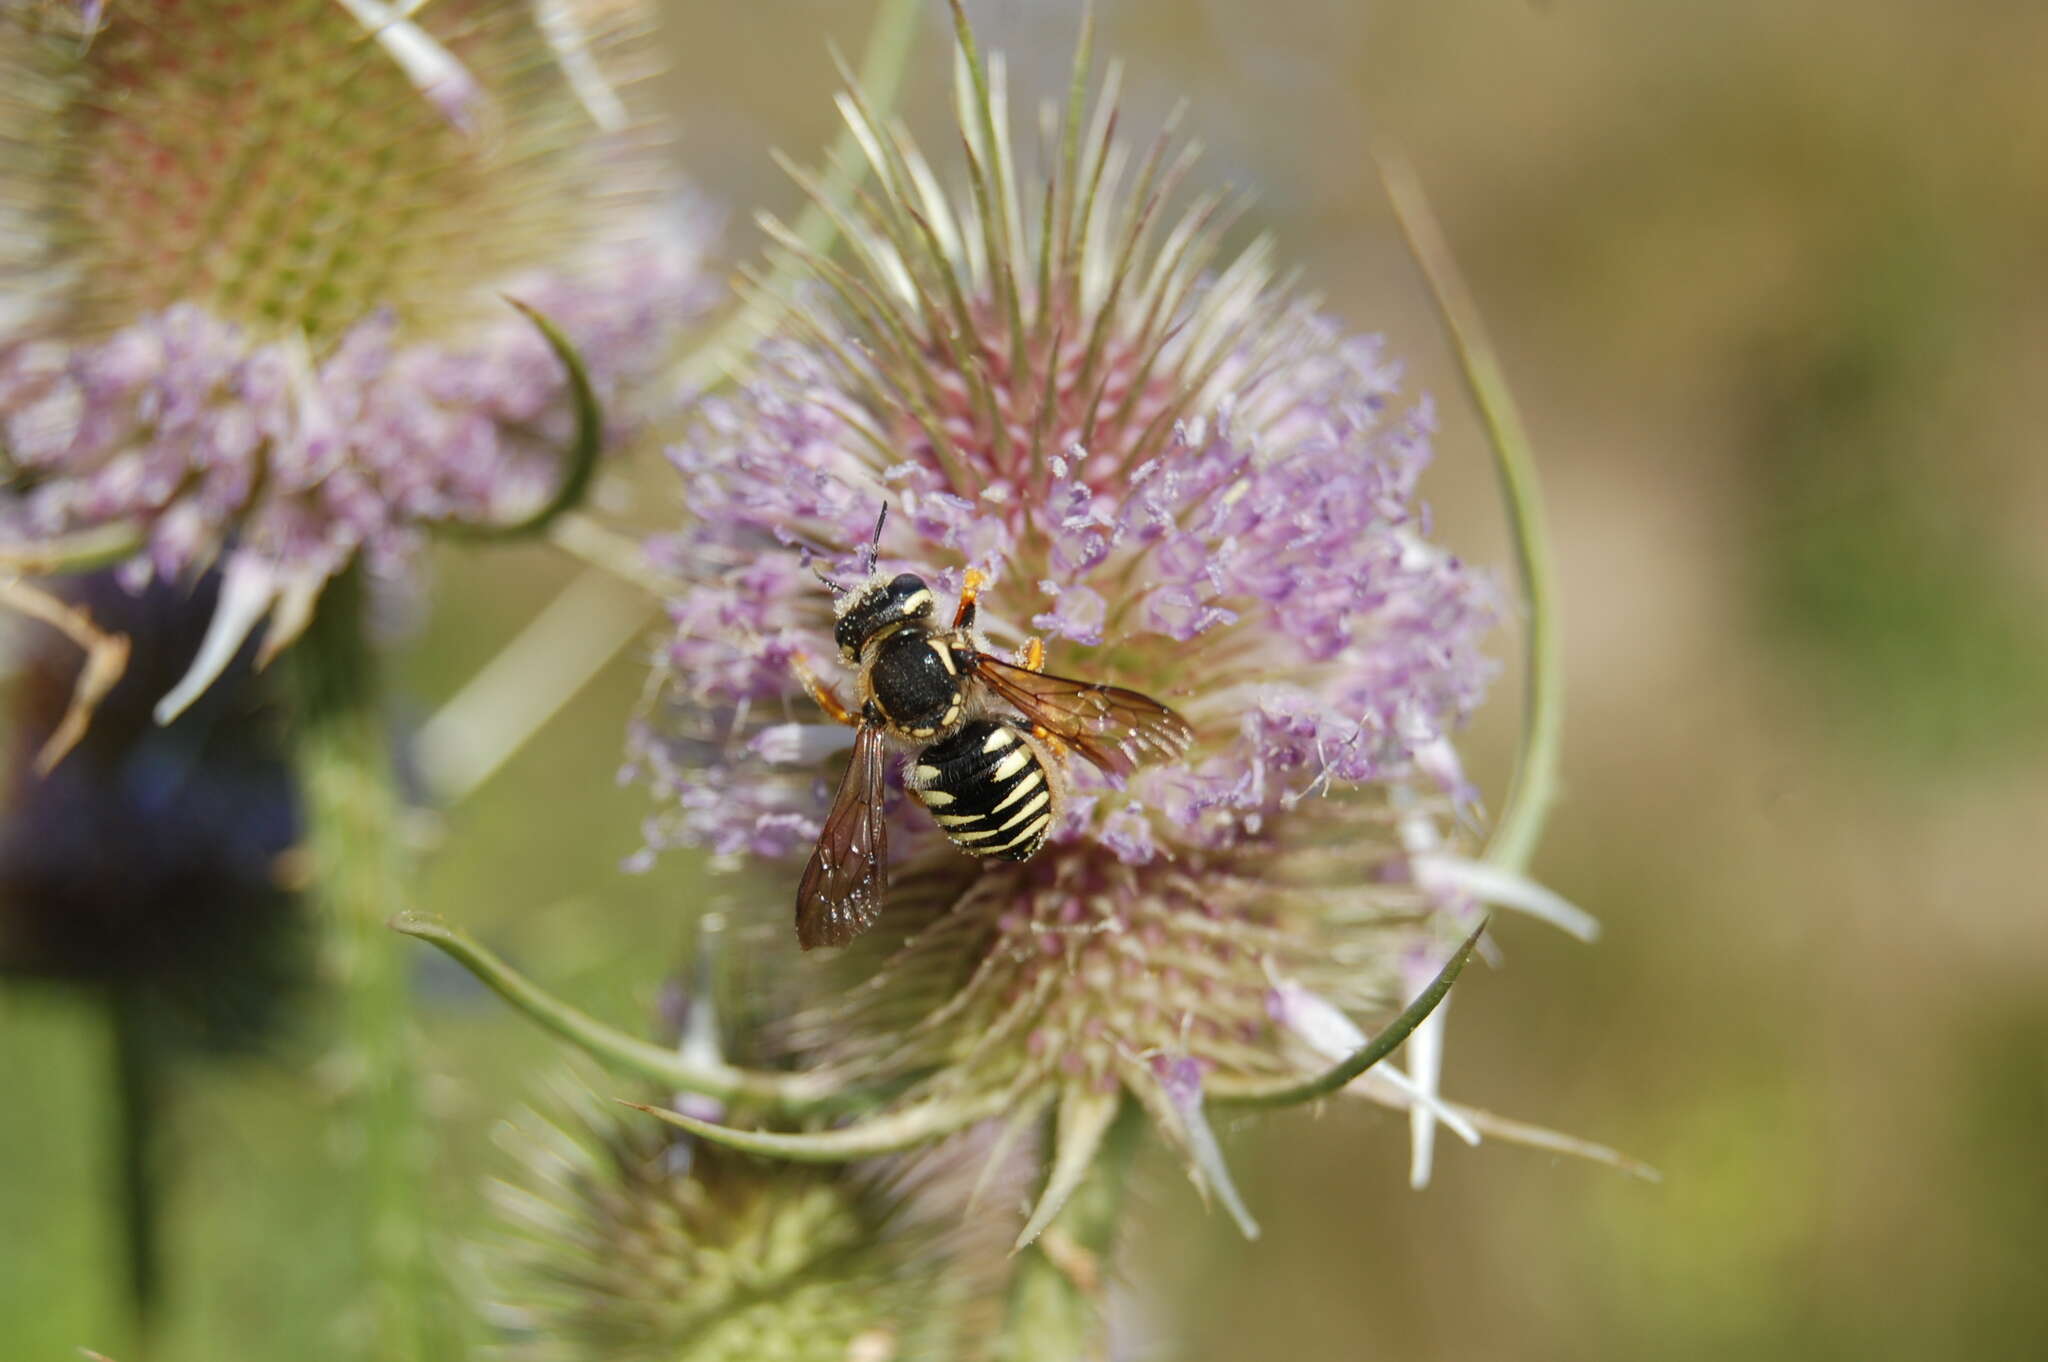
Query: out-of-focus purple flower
(1190, 483)
(264, 252)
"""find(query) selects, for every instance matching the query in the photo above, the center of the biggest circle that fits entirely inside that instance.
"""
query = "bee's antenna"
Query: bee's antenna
(875, 544)
(812, 563)
(810, 558)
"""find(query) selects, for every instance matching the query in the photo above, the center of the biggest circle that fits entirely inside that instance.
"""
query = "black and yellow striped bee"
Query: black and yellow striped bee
(993, 781)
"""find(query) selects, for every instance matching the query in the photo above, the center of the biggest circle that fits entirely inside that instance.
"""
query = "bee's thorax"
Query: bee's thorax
(915, 681)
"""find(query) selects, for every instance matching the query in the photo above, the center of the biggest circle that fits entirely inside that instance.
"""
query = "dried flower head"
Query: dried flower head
(629, 1240)
(1188, 482)
(256, 259)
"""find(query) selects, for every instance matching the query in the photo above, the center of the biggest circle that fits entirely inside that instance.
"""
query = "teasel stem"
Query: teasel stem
(138, 1078)
(1057, 1289)
(354, 823)
(1533, 787)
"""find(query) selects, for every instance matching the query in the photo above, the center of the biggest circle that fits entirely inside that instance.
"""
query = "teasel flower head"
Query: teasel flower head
(256, 261)
(624, 1238)
(1190, 482)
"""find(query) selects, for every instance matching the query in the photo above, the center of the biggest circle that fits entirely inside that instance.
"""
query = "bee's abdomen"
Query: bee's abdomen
(988, 788)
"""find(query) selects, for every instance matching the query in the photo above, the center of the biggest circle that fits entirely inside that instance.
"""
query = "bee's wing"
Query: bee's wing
(841, 890)
(1110, 726)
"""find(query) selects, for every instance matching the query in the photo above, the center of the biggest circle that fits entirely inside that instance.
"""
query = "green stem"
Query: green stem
(1054, 1312)
(138, 1108)
(353, 814)
(1533, 787)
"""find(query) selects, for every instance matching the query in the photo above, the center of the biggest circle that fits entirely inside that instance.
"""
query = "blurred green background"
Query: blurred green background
(1769, 281)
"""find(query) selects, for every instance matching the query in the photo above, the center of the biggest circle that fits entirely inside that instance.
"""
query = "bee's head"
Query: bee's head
(879, 606)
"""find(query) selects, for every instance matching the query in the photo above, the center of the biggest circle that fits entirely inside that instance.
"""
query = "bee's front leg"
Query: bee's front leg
(970, 587)
(822, 693)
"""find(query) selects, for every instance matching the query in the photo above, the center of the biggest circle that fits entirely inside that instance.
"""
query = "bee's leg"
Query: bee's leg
(970, 587)
(1034, 655)
(822, 693)
(1049, 738)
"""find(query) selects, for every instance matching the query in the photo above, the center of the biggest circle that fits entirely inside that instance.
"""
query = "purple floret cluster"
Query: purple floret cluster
(1266, 572)
(208, 438)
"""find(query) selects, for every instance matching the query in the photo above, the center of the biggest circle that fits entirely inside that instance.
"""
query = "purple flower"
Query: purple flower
(268, 325)
(1273, 589)
(1188, 482)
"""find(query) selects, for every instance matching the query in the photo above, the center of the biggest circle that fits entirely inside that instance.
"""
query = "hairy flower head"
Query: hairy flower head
(626, 1239)
(256, 259)
(1188, 482)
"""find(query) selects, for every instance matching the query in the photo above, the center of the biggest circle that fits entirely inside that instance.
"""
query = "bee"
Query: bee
(993, 781)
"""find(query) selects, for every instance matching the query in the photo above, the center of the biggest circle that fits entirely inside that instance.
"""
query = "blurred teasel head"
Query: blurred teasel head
(1188, 481)
(623, 1238)
(257, 257)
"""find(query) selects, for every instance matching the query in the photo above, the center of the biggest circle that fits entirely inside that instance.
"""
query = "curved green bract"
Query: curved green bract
(1374, 1050)
(1533, 786)
(886, 1133)
(790, 1094)
(579, 465)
